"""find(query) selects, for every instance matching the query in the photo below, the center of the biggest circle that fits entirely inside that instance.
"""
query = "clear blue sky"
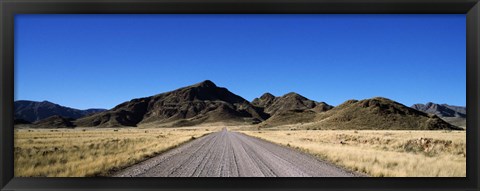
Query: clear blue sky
(99, 61)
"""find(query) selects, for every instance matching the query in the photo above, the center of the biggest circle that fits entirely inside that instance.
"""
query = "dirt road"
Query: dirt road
(232, 154)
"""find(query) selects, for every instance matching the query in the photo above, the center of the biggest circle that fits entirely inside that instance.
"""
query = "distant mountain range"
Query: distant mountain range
(205, 102)
(442, 110)
(32, 111)
(455, 115)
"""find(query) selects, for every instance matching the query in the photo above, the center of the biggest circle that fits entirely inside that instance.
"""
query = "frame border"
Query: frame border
(8, 8)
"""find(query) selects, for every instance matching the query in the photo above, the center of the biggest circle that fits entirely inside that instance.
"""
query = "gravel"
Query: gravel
(232, 154)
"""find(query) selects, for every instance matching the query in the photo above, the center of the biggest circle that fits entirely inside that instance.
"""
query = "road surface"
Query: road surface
(232, 154)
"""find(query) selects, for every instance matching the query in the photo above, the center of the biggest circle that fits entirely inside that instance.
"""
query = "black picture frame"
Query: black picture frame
(11, 7)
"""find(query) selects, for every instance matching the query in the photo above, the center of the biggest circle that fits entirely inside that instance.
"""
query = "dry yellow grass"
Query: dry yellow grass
(91, 151)
(381, 153)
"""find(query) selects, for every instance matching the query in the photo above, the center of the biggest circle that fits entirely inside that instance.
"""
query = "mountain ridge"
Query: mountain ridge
(442, 110)
(379, 113)
(205, 102)
(33, 111)
(456, 115)
(289, 108)
(198, 103)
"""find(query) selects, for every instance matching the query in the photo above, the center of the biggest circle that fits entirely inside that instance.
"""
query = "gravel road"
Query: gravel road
(232, 154)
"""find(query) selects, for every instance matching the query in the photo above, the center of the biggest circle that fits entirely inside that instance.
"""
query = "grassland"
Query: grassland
(381, 153)
(91, 151)
(97, 152)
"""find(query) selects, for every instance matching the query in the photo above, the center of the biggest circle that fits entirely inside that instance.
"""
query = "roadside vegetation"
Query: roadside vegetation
(92, 151)
(381, 153)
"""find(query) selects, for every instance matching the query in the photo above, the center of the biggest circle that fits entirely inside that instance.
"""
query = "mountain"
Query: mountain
(32, 111)
(378, 113)
(205, 102)
(288, 102)
(264, 101)
(442, 110)
(187, 106)
(91, 111)
(456, 115)
(289, 109)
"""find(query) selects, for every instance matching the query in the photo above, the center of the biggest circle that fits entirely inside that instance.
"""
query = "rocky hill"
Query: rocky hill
(290, 108)
(378, 113)
(191, 105)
